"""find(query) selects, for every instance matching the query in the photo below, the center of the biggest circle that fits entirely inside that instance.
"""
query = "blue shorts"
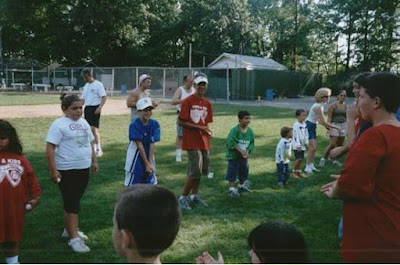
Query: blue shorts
(238, 167)
(298, 154)
(312, 130)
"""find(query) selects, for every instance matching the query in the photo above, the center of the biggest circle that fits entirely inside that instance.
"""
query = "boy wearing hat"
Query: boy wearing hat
(143, 133)
(140, 92)
(194, 117)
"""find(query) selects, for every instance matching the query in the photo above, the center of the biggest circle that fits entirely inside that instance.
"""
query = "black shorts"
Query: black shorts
(92, 119)
(298, 154)
(72, 186)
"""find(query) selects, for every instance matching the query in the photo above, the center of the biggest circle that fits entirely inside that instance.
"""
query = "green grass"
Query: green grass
(20, 98)
(224, 226)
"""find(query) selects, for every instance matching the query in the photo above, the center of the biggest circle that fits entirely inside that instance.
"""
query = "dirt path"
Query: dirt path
(112, 107)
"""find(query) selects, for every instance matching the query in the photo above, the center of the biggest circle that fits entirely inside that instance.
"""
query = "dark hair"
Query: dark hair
(152, 214)
(67, 100)
(8, 131)
(299, 111)
(360, 79)
(185, 77)
(386, 86)
(242, 114)
(278, 242)
(86, 72)
(285, 131)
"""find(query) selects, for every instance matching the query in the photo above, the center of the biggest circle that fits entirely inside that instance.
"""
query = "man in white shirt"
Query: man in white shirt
(180, 95)
(94, 97)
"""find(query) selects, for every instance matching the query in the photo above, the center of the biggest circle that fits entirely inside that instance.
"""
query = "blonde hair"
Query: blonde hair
(321, 93)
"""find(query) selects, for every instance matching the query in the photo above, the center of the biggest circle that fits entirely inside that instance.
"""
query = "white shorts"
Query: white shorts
(337, 133)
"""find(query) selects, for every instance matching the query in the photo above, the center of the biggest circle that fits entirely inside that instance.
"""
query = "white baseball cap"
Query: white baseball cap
(200, 79)
(144, 103)
(143, 77)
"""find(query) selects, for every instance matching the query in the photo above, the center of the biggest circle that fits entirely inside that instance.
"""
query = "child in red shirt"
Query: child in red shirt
(19, 191)
(195, 115)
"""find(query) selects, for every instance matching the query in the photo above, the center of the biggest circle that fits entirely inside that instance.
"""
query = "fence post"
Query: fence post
(227, 83)
(6, 76)
(112, 81)
(54, 78)
(12, 77)
(72, 77)
(32, 81)
(163, 91)
(137, 77)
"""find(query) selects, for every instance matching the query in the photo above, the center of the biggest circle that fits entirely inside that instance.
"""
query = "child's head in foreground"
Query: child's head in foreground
(277, 242)
(146, 221)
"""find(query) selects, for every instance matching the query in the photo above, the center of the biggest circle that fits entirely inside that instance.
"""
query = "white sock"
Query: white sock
(12, 260)
(96, 147)
(231, 188)
(312, 165)
(178, 152)
(99, 146)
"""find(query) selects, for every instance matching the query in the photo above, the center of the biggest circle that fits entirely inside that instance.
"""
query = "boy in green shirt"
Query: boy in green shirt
(239, 145)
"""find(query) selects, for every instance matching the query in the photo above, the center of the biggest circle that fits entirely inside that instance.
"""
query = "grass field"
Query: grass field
(18, 98)
(223, 226)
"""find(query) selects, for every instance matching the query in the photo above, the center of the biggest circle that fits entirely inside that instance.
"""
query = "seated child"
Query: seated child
(282, 155)
(143, 133)
(146, 221)
(240, 144)
(271, 242)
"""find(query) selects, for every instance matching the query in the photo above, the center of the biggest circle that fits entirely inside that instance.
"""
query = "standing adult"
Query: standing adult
(316, 115)
(140, 92)
(336, 116)
(369, 184)
(180, 95)
(94, 97)
(195, 115)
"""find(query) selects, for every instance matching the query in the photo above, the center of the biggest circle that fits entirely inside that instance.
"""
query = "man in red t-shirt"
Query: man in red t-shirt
(195, 115)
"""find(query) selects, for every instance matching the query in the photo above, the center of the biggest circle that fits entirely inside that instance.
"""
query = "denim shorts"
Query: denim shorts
(312, 130)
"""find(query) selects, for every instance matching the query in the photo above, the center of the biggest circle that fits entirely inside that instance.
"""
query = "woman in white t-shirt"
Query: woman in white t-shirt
(70, 154)
(316, 115)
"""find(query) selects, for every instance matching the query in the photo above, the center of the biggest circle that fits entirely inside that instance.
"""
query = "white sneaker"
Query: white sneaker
(99, 153)
(315, 169)
(322, 162)
(78, 245)
(337, 163)
(80, 234)
(308, 170)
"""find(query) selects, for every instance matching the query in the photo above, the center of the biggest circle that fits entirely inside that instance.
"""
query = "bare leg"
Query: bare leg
(71, 224)
(297, 164)
(188, 187)
(311, 151)
(96, 134)
(332, 144)
(340, 141)
(196, 185)
(178, 142)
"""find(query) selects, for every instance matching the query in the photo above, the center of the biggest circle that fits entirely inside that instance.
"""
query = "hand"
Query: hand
(95, 167)
(206, 258)
(329, 190)
(245, 154)
(98, 110)
(208, 131)
(149, 168)
(55, 176)
(352, 112)
(336, 177)
(33, 203)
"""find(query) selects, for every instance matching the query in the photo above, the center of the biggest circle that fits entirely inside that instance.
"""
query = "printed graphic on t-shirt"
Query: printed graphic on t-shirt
(243, 144)
(81, 134)
(197, 113)
(11, 171)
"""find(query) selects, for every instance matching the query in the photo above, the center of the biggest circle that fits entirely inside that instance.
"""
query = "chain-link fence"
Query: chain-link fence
(227, 84)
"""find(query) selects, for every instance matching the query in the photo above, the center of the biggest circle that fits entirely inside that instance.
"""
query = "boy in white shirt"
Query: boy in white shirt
(299, 141)
(282, 155)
